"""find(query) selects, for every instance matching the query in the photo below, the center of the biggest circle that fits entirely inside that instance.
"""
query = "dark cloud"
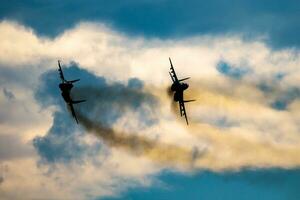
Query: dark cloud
(280, 98)
(166, 18)
(284, 99)
(8, 94)
(11, 147)
(2, 171)
(108, 102)
(25, 76)
(17, 108)
(62, 142)
(105, 104)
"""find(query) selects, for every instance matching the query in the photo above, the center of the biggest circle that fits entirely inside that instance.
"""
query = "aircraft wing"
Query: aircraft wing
(73, 112)
(61, 72)
(182, 111)
(172, 72)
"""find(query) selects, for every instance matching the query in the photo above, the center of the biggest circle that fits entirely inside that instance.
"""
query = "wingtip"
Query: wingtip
(58, 62)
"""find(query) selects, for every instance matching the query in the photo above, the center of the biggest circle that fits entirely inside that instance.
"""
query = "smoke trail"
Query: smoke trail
(169, 92)
(109, 102)
(165, 154)
(173, 104)
(106, 104)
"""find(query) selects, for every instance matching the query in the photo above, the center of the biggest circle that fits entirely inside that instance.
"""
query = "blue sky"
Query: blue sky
(244, 60)
(247, 184)
(276, 19)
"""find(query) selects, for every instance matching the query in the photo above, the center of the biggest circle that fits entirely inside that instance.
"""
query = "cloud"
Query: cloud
(255, 184)
(63, 143)
(13, 148)
(8, 94)
(285, 98)
(233, 124)
(106, 103)
(233, 72)
(164, 154)
(250, 128)
(278, 21)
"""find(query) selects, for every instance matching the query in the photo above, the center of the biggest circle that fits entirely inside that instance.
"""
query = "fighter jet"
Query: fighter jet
(65, 87)
(178, 87)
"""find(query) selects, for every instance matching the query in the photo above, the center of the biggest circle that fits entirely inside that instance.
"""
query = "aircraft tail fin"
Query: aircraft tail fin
(79, 101)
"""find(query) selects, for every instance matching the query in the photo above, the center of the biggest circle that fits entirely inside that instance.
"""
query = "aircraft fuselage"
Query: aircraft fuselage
(178, 88)
(65, 91)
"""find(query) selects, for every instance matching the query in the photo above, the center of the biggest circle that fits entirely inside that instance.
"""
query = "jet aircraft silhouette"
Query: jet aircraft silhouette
(65, 87)
(178, 87)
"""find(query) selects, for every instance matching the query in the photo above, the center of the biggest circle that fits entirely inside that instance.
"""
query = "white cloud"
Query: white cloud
(255, 136)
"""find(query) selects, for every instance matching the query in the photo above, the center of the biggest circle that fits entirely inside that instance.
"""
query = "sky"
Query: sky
(243, 140)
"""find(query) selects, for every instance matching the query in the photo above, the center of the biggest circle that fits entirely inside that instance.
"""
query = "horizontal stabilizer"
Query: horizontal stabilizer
(184, 79)
(186, 101)
(79, 101)
(73, 81)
